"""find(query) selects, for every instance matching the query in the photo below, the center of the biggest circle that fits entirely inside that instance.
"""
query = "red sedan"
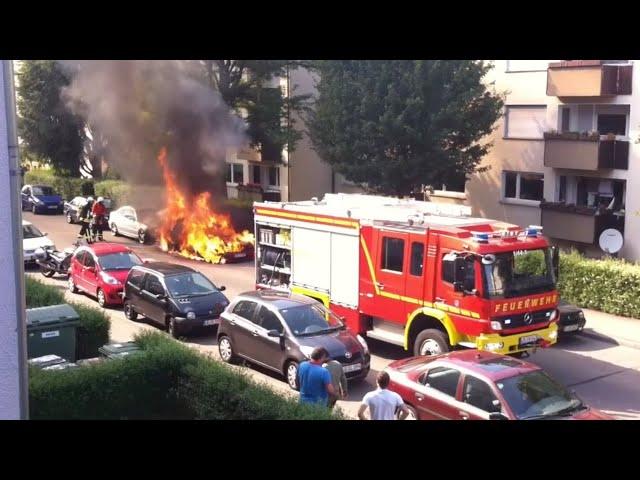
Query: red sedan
(101, 270)
(474, 385)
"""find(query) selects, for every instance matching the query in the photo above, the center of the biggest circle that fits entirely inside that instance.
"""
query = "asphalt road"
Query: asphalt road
(605, 376)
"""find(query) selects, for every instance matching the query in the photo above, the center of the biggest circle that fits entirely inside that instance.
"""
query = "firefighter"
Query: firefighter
(99, 213)
(84, 217)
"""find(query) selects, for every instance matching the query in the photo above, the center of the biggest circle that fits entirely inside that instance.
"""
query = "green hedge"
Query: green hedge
(118, 191)
(609, 285)
(167, 380)
(93, 331)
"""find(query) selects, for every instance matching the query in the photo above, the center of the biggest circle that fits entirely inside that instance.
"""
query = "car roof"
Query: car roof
(165, 268)
(277, 298)
(493, 366)
(107, 248)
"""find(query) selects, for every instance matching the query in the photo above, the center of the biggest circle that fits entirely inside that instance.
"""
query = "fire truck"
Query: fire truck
(423, 275)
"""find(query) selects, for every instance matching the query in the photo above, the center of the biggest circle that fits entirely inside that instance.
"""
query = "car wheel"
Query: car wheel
(172, 328)
(225, 348)
(142, 236)
(413, 413)
(129, 312)
(114, 229)
(72, 285)
(430, 342)
(291, 372)
(69, 218)
(46, 271)
(102, 300)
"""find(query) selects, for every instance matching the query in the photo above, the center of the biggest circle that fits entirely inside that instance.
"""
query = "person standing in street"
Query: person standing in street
(338, 380)
(84, 216)
(382, 403)
(314, 380)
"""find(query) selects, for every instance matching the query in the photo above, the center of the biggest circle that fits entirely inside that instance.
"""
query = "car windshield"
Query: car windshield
(310, 320)
(536, 395)
(29, 231)
(42, 191)
(119, 261)
(519, 273)
(189, 284)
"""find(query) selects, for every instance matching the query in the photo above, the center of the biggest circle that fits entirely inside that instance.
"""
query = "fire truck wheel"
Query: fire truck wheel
(430, 342)
(291, 371)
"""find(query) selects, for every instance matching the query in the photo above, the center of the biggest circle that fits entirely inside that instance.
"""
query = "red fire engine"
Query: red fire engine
(423, 275)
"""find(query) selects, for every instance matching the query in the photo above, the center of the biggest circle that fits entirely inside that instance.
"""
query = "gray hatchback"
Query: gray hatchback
(278, 330)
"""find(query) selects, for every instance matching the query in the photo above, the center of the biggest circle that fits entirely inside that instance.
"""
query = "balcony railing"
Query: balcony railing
(248, 153)
(588, 78)
(585, 152)
(578, 224)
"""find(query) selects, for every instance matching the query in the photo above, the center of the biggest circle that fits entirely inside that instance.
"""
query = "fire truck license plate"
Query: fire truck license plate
(353, 368)
(528, 339)
(240, 255)
(570, 328)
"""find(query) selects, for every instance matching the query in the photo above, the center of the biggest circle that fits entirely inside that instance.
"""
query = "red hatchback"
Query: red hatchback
(475, 385)
(101, 270)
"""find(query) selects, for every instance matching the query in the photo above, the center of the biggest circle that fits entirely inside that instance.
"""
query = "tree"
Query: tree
(47, 128)
(245, 87)
(396, 125)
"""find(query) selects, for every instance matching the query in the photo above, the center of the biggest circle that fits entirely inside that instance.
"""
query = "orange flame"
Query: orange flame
(201, 233)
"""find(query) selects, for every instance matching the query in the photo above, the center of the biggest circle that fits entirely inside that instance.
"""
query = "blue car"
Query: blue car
(41, 199)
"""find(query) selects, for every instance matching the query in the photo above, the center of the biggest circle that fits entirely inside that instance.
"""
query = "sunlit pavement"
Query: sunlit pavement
(604, 375)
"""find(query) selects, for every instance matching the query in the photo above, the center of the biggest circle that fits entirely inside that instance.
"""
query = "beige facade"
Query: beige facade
(575, 155)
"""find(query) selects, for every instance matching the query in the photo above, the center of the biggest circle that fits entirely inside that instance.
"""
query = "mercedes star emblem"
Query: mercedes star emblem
(347, 355)
(528, 318)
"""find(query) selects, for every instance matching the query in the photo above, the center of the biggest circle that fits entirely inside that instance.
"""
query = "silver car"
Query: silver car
(126, 221)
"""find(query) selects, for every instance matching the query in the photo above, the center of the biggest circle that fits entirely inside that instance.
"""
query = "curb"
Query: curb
(611, 340)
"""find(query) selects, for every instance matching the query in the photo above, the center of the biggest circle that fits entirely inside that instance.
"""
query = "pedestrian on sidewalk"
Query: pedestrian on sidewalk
(315, 380)
(382, 403)
(338, 380)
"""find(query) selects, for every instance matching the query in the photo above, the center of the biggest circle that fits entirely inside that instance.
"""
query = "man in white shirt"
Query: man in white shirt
(382, 403)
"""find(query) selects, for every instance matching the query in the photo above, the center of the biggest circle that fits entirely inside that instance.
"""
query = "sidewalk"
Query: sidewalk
(612, 328)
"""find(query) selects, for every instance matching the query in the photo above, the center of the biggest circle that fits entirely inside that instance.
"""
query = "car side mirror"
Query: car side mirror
(161, 296)
(497, 416)
(274, 333)
(496, 407)
(222, 288)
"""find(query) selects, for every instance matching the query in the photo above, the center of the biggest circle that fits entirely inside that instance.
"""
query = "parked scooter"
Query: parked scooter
(52, 262)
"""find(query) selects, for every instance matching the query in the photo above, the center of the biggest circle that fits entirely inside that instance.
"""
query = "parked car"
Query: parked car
(128, 222)
(278, 330)
(32, 240)
(72, 208)
(479, 385)
(101, 270)
(571, 319)
(41, 198)
(174, 296)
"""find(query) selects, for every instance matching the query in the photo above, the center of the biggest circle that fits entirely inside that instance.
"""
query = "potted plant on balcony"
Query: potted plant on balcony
(611, 136)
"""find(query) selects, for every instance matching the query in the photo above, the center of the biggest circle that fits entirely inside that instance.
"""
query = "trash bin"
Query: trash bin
(46, 361)
(119, 350)
(52, 331)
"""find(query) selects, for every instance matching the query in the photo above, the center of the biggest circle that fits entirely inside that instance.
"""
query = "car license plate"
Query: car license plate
(570, 328)
(352, 368)
(53, 206)
(528, 339)
(206, 323)
(240, 255)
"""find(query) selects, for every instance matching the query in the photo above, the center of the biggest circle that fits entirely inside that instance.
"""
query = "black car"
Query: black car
(174, 296)
(278, 330)
(571, 319)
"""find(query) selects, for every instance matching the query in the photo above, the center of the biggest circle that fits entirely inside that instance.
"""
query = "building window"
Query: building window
(274, 176)
(235, 173)
(525, 122)
(392, 254)
(612, 123)
(527, 65)
(256, 174)
(523, 186)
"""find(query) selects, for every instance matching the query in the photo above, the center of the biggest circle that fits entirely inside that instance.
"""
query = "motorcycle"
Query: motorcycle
(54, 261)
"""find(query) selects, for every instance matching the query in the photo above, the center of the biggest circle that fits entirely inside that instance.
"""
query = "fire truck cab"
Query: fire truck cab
(422, 275)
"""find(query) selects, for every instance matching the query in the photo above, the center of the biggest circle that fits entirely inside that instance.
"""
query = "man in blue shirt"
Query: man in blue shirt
(314, 379)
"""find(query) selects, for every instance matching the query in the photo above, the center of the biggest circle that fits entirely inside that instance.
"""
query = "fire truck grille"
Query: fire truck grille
(518, 320)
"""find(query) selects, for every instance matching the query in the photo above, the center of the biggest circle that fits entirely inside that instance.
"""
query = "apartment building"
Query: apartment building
(565, 153)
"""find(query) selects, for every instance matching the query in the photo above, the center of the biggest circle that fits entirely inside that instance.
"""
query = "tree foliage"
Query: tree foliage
(49, 131)
(399, 124)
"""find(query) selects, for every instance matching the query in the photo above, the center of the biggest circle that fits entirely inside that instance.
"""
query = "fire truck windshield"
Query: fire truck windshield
(518, 273)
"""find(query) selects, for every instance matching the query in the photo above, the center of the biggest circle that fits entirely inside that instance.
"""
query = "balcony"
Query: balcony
(588, 78)
(585, 152)
(578, 224)
(248, 153)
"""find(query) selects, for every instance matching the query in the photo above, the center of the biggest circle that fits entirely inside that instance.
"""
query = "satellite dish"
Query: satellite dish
(611, 240)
